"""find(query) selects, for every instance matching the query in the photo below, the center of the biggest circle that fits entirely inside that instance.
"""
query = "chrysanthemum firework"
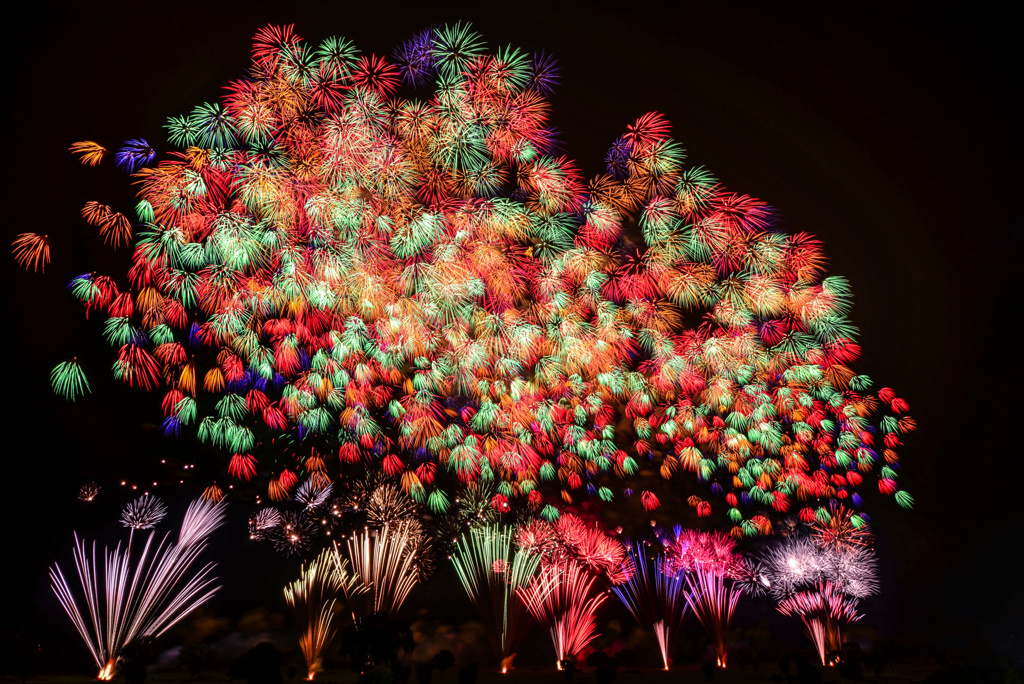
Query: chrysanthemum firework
(263, 523)
(821, 584)
(32, 249)
(840, 529)
(89, 491)
(799, 563)
(571, 539)
(711, 566)
(294, 534)
(312, 496)
(143, 513)
(421, 286)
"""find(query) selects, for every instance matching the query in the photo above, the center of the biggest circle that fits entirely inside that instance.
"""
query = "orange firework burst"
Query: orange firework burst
(89, 152)
(32, 249)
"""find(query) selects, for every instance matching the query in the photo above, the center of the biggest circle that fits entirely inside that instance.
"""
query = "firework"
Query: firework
(475, 506)
(796, 562)
(88, 491)
(90, 153)
(263, 523)
(492, 570)
(124, 597)
(711, 566)
(143, 513)
(713, 599)
(422, 287)
(31, 249)
(385, 562)
(561, 597)
(571, 539)
(822, 585)
(656, 596)
(840, 529)
(311, 496)
(823, 610)
(799, 563)
(294, 534)
(133, 154)
(389, 505)
(312, 598)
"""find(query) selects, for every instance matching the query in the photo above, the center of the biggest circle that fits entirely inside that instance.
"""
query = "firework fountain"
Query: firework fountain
(492, 572)
(127, 596)
(821, 584)
(656, 595)
(313, 598)
(710, 565)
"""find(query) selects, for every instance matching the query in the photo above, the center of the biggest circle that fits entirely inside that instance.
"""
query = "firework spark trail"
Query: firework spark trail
(312, 598)
(712, 567)
(376, 276)
(560, 597)
(131, 598)
(822, 585)
(713, 598)
(492, 571)
(823, 610)
(657, 597)
(385, 561)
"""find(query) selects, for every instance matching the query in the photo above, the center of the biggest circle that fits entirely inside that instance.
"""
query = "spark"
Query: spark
(491, 571)
(657, 597)
(123, 596)
(143, 513)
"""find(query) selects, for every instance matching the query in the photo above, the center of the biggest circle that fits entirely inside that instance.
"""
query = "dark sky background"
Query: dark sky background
(893, 133)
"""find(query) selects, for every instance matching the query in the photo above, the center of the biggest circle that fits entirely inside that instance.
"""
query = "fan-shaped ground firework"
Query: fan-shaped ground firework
(130, 594)
(312, 599)
(385, 562)
(821, 584)
(492, 570)
(710, 565)
(562, 597)
(656, 595)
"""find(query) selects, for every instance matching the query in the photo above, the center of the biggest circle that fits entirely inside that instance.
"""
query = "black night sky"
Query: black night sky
(893, 133)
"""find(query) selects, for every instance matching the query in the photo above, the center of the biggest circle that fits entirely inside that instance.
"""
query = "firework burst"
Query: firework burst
(294, 533)
(143, 513)
(124, 596)
(424, 288)
(89, 491)
(263, 523)
(492, 571)
(656, 595)
(31, 249)
(562, 597)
